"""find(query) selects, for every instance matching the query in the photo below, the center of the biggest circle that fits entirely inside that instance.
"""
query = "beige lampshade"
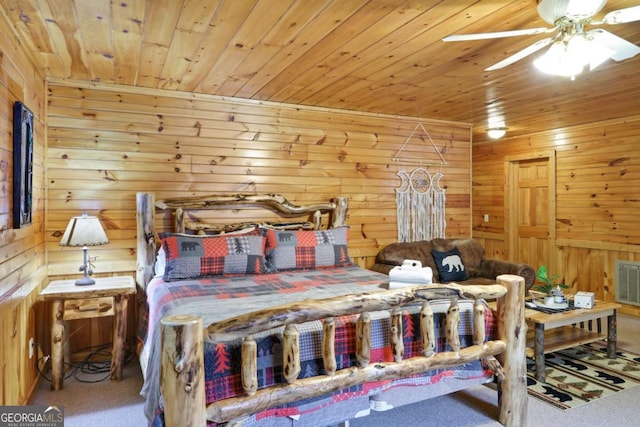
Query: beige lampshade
(84, 231)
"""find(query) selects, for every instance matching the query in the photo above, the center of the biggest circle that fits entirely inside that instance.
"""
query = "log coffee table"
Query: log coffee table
(558, 330)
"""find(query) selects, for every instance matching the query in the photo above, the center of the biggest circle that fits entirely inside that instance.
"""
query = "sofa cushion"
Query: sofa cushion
(450, 265)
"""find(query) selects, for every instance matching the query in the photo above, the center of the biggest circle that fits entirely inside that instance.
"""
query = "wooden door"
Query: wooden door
(530, 209)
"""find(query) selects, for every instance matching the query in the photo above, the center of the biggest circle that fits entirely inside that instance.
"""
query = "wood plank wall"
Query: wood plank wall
(22, 251)
(107, 142)
(597, 175)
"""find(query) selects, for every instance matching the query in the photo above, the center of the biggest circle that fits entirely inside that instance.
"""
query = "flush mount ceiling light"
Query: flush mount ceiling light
(572, 48)
(496, 132)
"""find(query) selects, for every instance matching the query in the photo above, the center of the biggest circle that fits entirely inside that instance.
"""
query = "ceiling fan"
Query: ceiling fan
(572, 47)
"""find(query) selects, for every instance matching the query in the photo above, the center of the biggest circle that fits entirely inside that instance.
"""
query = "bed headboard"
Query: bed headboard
(185, 219)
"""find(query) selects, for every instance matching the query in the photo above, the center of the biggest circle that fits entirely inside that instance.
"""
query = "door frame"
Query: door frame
(510, 226)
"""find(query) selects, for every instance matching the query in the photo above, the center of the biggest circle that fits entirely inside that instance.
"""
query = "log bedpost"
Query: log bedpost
(249, 355)
(363, 339)
(397, 344)
(317, 220)
(182, 371)
(453, 321)
(512, 328)
(146, 242)
(178, 220)
(338, 217)
(291, 353)
(479, 313)
(427, 329)
(328, 346)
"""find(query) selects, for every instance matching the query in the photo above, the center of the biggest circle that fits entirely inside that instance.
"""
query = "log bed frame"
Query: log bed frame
(183, 336)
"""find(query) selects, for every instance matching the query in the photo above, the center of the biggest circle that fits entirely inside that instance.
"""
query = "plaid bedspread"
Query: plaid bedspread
(210, 298)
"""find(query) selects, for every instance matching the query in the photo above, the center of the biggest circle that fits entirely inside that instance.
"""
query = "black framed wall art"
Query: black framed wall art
(22, 165)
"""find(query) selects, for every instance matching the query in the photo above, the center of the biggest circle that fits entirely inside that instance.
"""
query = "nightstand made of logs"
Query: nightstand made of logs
(107, 297)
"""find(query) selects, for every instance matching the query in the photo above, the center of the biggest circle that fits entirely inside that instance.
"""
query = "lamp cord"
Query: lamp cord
(85, 370)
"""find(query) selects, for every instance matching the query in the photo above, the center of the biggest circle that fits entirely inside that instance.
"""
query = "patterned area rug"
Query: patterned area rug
(582, 374)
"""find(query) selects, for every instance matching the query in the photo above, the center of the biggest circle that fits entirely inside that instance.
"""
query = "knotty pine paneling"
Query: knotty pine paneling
(106, 142)
(597, 176)
(22, 251)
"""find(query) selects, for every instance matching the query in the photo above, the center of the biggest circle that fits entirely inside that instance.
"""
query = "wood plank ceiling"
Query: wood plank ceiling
(382, 56)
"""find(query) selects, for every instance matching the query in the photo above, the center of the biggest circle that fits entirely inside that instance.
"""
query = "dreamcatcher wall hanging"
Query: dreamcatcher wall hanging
(420, 201)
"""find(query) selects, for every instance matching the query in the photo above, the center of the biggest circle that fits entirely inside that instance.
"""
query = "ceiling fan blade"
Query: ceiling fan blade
(497, 35)
(622, 16)
(519, 55)
(622, 49)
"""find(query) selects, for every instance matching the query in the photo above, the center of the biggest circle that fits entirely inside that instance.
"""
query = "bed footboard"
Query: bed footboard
(182, 373)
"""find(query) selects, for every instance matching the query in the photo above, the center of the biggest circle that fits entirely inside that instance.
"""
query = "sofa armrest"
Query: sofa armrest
(381, 268)
(492, 268)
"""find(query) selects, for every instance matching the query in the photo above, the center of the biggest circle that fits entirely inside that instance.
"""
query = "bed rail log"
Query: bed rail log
(310, 309)
(237, 407)
(508, 363)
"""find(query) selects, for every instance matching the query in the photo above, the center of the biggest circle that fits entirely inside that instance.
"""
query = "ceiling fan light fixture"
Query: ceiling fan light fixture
(568, 58)
(556, 61)
(497, 132)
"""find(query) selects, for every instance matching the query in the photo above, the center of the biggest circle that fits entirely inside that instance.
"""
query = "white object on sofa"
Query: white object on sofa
(410, 273)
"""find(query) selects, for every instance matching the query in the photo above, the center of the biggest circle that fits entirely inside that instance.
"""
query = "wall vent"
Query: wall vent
(628, 282)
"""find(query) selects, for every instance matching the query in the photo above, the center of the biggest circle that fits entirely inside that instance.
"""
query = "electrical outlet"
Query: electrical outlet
(31, 348)
(486, 217)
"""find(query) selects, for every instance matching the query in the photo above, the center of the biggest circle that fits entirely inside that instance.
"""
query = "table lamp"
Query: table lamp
(84, 231)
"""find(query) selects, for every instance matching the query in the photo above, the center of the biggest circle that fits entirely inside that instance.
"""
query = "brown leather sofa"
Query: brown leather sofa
(479, 270)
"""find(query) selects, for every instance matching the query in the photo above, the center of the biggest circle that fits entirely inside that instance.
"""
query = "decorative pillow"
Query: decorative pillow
(190, 257)
(449, 265)
(307, 249)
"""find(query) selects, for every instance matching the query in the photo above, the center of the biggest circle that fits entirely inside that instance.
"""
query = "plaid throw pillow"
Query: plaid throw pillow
(307, 249)
(189, 257)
